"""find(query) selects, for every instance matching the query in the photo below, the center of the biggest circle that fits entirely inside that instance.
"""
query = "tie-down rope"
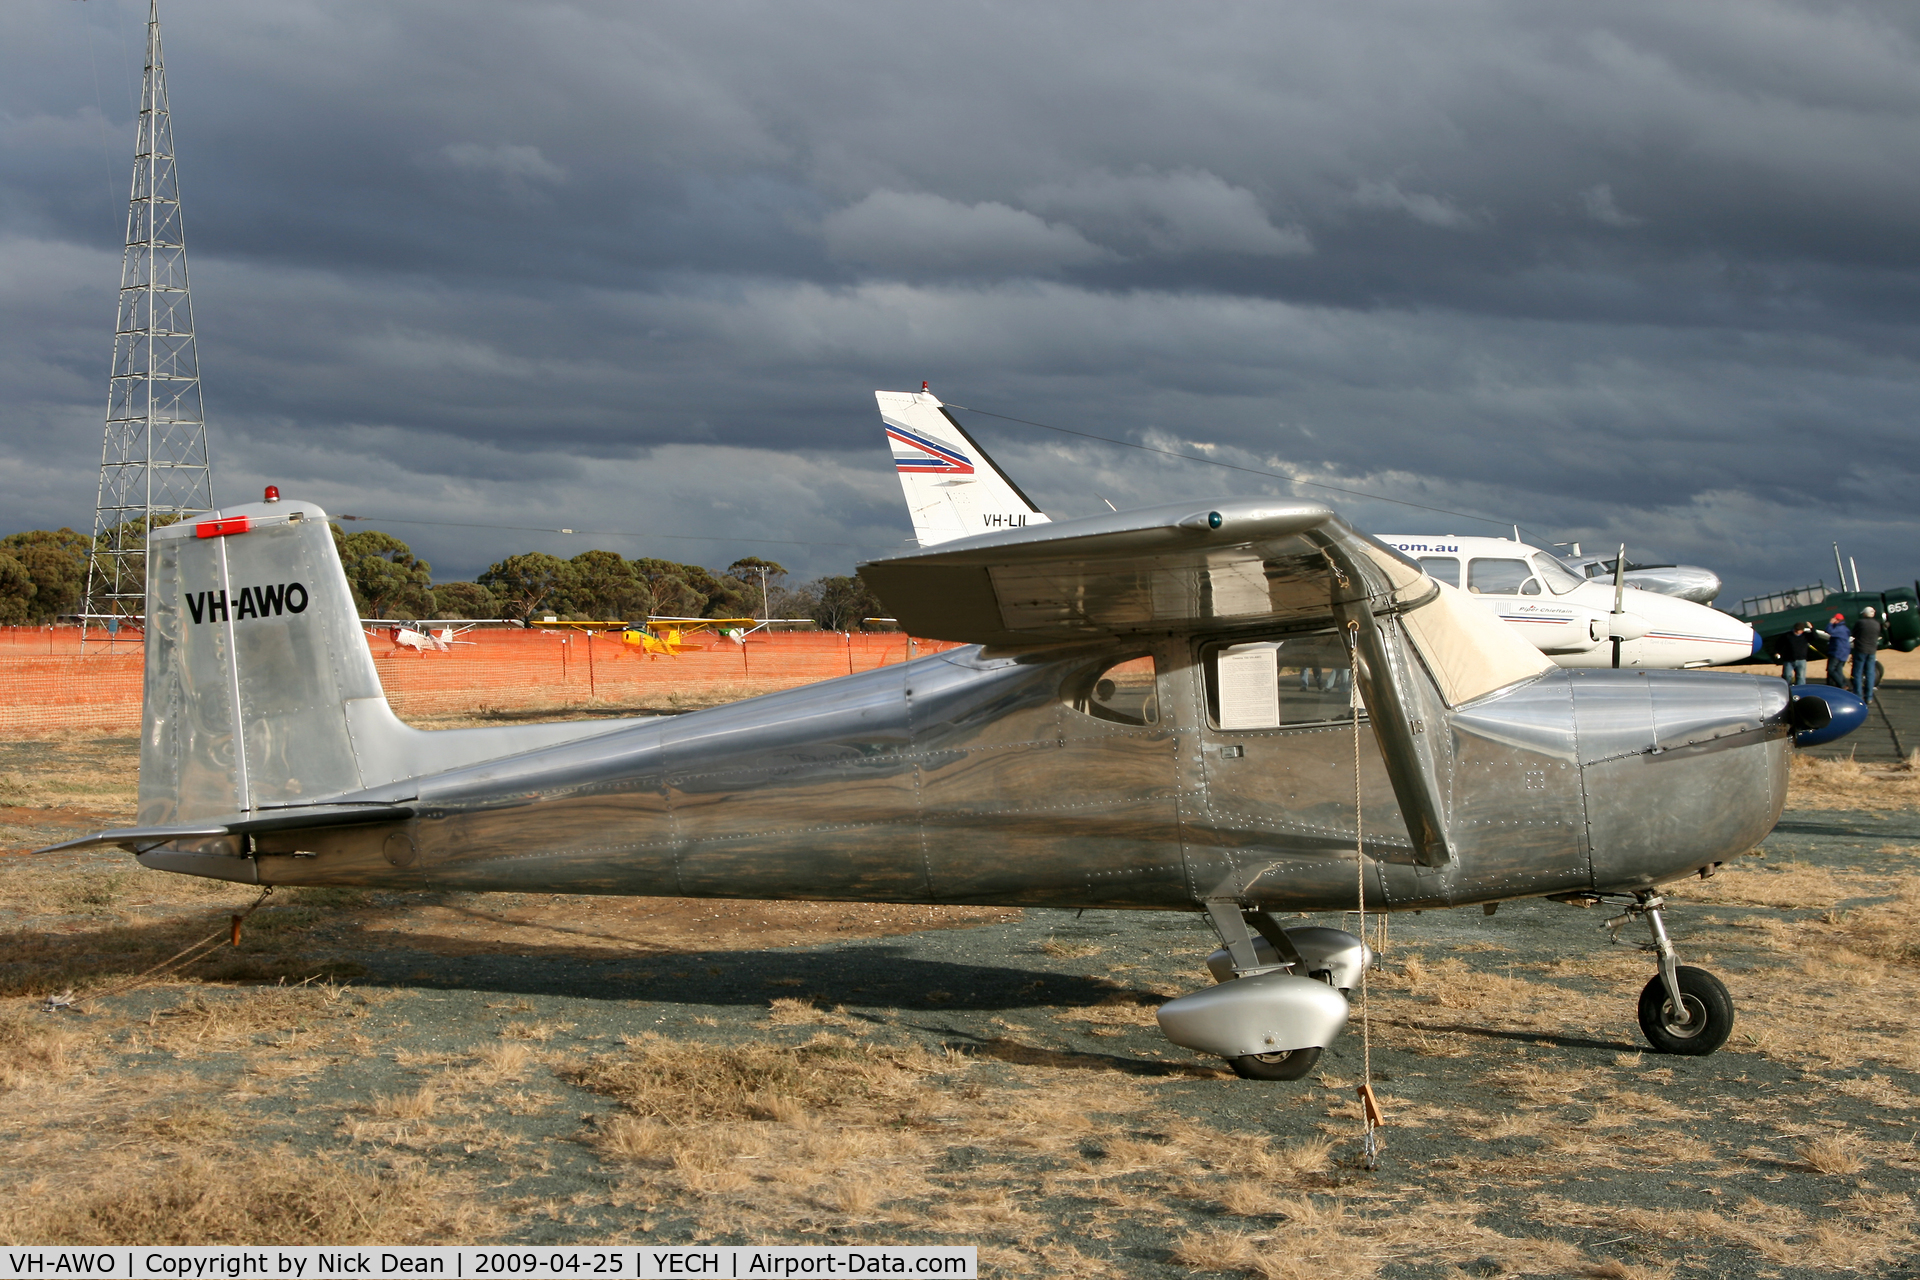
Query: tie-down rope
(179, 960)
(1370, 1118)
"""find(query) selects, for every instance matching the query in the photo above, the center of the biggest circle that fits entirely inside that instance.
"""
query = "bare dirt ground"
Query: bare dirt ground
(384, 1067)
(1899, 666)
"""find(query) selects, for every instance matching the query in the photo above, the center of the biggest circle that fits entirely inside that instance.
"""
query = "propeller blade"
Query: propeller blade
(1619, 591)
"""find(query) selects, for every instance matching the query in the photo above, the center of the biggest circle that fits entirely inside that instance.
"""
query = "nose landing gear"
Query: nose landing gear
(1684, 1010)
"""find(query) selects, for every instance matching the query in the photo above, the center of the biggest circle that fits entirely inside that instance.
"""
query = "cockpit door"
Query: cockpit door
(1275, 767)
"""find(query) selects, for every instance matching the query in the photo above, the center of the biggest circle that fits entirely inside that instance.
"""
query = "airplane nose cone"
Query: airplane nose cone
(1702, 586)
(1843, 713)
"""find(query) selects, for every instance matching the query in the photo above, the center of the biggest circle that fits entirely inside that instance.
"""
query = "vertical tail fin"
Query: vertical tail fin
(953, 489)
(260, 690)
(253, 646)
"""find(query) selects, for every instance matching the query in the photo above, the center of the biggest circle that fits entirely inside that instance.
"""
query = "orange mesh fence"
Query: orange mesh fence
(48, 684)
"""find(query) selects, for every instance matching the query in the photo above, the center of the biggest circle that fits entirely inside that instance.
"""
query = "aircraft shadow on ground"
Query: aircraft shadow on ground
(1018, 1052)
(1792, 827)
(1530, 1037)
(857, 976)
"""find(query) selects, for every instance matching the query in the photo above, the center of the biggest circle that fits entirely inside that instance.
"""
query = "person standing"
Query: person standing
(1866, 643)
(1793, 653)
(1839, 648)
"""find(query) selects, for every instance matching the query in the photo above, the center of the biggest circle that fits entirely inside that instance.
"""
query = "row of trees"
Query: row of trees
(600, 585)
(389, 581)
(43, 576)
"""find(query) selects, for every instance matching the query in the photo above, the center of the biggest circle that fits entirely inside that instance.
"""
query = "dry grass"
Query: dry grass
(210, 1020)
(34, 1047)
(501, 1062)
(1817, 782)
(1886, 931)
(836, 1130)
(1119, 1010)
(228, 1197)
(1502, 999)
(95, 775)
(1752, 883)
(1864, 1234)
(1322, 1237)
(418, 1105)
(1021, 1149)
(789, 1011)
(539, 1032)
(1833, 1156)
(686, 1081)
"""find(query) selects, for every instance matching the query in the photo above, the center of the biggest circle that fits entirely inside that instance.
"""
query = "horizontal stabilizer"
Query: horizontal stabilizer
(299, 818)
(135, 838)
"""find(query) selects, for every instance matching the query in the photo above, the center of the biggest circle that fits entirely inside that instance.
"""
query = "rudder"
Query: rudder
(953, 489)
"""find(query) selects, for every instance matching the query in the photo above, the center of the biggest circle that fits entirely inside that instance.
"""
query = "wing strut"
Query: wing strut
(1395, 725)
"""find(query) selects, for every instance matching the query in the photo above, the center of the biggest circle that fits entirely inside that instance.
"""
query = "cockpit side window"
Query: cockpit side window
(1270, 684)
(1121, 692)
(1499, 577)
(1442, 569)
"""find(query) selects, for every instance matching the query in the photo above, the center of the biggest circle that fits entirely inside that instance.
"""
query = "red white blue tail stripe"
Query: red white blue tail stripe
(918, 454)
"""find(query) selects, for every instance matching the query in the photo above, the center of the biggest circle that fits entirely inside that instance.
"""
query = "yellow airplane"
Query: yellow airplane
(646, 636)
(648, 640)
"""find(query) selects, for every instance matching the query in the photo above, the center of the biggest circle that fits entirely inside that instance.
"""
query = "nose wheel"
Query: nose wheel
(1684, 1010)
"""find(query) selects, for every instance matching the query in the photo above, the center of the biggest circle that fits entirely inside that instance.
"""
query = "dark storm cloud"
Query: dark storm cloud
(1647, 271)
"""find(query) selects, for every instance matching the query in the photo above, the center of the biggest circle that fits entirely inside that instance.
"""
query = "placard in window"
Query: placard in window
(1249, 683)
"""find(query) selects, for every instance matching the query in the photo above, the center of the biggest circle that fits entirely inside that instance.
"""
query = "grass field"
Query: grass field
(384, 1067)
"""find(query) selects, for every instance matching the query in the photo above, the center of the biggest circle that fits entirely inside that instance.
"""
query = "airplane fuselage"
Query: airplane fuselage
(966, 778)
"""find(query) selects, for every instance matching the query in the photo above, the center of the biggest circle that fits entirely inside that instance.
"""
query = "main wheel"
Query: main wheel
(1292, 1065)
(1698, 1029)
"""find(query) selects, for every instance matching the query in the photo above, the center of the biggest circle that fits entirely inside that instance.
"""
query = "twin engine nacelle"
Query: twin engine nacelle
(1617, 626)
(1584, 634)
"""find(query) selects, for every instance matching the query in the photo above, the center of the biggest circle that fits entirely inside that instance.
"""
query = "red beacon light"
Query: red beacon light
(273, 493)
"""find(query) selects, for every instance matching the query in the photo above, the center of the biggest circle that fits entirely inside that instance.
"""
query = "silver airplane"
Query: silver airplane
(1685, 581)
(1126, 727)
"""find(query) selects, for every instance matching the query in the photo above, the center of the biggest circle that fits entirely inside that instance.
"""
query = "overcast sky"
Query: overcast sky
(1642, 271)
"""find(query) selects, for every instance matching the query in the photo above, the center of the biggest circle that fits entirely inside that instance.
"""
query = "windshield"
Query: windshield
(1557, 576)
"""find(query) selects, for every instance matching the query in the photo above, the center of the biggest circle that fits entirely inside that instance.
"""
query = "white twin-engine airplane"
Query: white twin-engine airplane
(1570, 618)
(954, 490)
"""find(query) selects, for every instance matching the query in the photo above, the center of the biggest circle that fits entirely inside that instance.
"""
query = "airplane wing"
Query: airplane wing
(1244, 563)
(1239, 566)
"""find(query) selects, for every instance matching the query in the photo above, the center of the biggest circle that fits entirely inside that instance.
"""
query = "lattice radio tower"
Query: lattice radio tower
(153, 466)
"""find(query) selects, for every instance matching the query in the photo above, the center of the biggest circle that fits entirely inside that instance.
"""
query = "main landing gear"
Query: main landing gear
(1683, 1010)
(1281, 997)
